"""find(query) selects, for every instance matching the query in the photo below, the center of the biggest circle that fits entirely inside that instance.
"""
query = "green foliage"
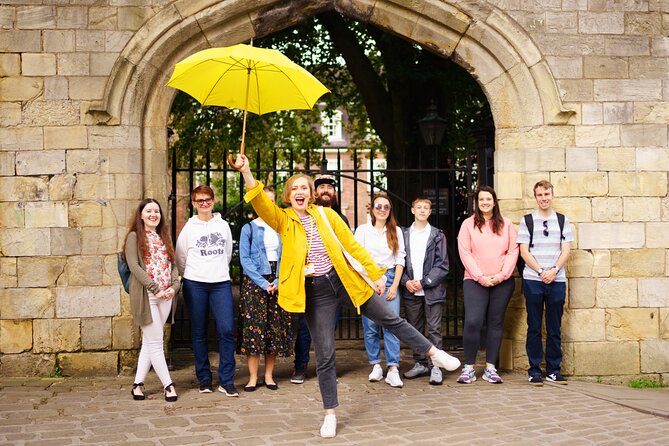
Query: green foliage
(57, 372)
(645, 383)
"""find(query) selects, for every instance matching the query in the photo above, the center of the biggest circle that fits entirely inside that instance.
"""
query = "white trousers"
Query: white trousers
(152, 352)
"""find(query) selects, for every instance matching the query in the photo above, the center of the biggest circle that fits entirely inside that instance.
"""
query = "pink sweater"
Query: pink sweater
(485, 253)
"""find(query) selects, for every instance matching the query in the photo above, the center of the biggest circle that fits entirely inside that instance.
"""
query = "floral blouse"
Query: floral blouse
(158, 265)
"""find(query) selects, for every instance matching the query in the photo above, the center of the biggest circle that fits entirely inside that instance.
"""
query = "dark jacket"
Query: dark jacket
(435, 267)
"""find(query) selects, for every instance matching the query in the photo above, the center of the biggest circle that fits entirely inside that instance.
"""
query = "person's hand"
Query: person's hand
(413, 286)
(242, 163)
(380, 285)
(492, 280)
(392, 292)
(160, 295)
(484, 281)
(271, 288)
(549, 275)
(169, 293)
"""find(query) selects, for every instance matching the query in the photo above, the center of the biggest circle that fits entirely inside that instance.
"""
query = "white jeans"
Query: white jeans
(152, 352)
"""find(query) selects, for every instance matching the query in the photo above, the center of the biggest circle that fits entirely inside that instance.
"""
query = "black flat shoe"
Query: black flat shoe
(250, 388)
(135, 396)
(170, 388)
(272, 386)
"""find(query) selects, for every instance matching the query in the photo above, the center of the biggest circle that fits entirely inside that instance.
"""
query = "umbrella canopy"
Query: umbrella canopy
(258, 80)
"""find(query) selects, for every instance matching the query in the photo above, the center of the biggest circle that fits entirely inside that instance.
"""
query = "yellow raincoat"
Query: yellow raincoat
(286, 223)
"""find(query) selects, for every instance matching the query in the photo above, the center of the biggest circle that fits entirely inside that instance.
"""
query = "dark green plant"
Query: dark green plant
(645, 383)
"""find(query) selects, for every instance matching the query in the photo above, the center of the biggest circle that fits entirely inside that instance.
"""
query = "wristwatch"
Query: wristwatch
(540, 271)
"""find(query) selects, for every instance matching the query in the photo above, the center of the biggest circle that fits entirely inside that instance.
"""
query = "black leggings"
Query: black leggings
(481, 304)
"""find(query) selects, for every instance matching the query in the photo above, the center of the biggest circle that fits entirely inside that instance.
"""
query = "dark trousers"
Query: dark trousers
(302, 344)
(421, 314)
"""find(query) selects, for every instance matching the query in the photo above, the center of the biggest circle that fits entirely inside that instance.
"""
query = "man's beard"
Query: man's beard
(332, 202)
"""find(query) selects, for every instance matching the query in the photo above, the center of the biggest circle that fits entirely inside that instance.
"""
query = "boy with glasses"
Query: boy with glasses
(545, 253)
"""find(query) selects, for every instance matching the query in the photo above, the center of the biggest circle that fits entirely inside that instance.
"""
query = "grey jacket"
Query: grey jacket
(435, 267)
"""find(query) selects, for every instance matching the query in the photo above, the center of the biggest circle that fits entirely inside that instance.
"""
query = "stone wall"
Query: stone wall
(579, 93)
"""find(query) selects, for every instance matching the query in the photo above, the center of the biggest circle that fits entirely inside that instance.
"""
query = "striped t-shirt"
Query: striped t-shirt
(546, 249)
(317, 255)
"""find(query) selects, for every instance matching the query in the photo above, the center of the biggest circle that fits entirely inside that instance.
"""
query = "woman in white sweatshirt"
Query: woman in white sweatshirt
(204, 251)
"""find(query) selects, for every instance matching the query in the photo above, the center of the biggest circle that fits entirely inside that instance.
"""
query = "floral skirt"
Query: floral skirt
(264, 327)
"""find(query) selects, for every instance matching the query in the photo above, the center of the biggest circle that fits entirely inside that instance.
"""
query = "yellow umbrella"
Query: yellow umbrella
(257, 80)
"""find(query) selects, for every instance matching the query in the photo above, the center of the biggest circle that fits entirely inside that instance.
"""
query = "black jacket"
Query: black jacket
(435, 267)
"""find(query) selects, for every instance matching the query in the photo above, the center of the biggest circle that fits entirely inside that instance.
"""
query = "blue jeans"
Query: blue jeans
(217, 297)
(302, 345)
(552, 296)
(391, 345)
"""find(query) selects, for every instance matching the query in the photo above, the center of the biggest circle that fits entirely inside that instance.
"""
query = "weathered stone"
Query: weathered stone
(583, 325)
(89, 363)
(35, 272)
(56, 335)
(16, 336)
(23, 189)
(615, 293)
(655, 356)
(25, 242)
(603, 67)
(606, 358)
(127, 361)
(91, 301)
(577, 209)
(96, 333)
(46, 162)
(85, 213)
(623, 324)
(11, 215)
(61, 187)
(19, 88)
(125, 334)
(591, 113)
(618, 113)
(82, 271)
(50, 214)
(620, 159)
(651, 135)
(65, 137)
(38, 64)
(654, 292)
(515, 324)
(58, 40)
(664, 323)
(120, 161)
(611, 235)
(531, 138)
(10, 65)
(27, 364)
(91, 41)
(128, 187)
(8, 277)
(73, 64)
(103, 17)
(597, 136)
(650, 112)
(87, 88)
(648, 67)
(56, 88)
(578, 184)
(652, 158)
(508, 185)
(581, 159)
(26, 303)
(566, 67)
(637, 262)
(601, 22)
(102, 63)
(575, 89)
(99, 240)
(72, 17)
(93, 187)
(83, 161)
(617, 90)
(10, 115)
(65, 241)
(641, 208)
(581, 293)
(593, 263)
(607, 209)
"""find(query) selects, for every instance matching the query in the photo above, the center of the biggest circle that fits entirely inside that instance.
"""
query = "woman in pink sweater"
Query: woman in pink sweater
(488, 249)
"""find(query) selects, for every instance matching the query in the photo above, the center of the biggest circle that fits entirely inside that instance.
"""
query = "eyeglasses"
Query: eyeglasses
(203, 201)
(545, 228)
(382, 207)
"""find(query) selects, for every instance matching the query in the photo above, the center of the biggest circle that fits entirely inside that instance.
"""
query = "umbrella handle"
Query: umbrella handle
(232, 163)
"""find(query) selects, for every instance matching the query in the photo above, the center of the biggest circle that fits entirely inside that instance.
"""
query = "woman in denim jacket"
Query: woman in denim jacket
(264, 326)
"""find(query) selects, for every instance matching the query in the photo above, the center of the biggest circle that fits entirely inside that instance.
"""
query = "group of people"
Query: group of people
(299, 261)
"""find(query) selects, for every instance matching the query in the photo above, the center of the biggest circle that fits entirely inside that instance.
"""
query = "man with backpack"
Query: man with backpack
(545, 238)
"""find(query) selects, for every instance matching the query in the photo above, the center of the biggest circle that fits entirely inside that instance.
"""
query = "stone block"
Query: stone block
(128, 187)
(26, 303)
(90, 41)
(579, 184)
(36, 272)
(605, 67)
(594, 263)
(581, 159)
(583, 325)
(20, 41)
(645, 67)
(82, 271)
(38, 64)
(82, 161)
(650, 112)
(27, 364)
(619, 90)
(657, 235)
(73, 17)
(606, 358)
(10, 115)
(114, 137)
(632, 324)
(8, 277)
(664, 323)
(7, 161)
(90, 301)
(61, 187)
(541, 159)
(21, 138)
(45, 162)
(515, 324)
(655, 356)
(127, 361)
(508, 185)
(16, 242)
(650, 135)
(58, 40)
(121, 161)
(531, 138)
(102, 63)
(65, 241)
(637, 262)
(566, 67)
(654, 292)
(567, 365)
(49, 214)
(641, 208)
(616, 159)
(16, 336)
(102, 17)
(56, 88)
(99, 240)
(117, 40)
(10, 65)
(643, 23)
(611, 235)
(11, 215)
(577, 209)
(93, 187)
(616, 293)
(86, 88)
(56, 335)
(607, 209)
(133, 18)
(96, 333)
(125, 334)
(591, 113)
(575, 90)
(581, 293)
(597, 136)
(72, 137)
(73, 64)
(89, 363)
(618, 113)
(652, 158)
(601, 22)
(36, 17)
(20, 88)
(85, 213)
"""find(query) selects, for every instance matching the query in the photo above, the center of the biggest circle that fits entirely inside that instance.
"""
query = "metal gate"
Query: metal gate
(448, 180)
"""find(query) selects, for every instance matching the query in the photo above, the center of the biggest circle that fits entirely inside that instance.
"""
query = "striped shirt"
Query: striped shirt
(546, 249)
(316, 253)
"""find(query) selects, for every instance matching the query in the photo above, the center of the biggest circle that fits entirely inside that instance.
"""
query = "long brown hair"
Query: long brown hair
(391, 223)
(137, 226)
(479, 220)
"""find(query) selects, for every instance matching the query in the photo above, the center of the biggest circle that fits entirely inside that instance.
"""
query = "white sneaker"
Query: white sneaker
(393, 378)
(445, 361)
(377, 374)
(329, 427)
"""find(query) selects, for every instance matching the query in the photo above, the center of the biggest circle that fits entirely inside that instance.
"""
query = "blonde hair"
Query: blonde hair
(285, 196)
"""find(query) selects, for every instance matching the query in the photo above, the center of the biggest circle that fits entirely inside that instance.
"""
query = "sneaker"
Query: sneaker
(556, 378)
(205, 387)
(436, 378)
(393, 378)
(329, 427)
(298, 376)
(229, 390)
(445, 361)
(467, 376)
(536, 381)
(377, 374)
(416, 371)
(490, 375)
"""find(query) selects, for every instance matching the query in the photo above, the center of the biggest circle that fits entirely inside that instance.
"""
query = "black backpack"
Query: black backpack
(529, 222)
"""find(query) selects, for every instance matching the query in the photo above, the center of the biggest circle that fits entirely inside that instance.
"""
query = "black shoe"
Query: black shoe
(135, 396)
(205, 387)
(229, 390)
(273, 386)
(536, 381)
(250, 388)
(556, 378)
(298, 376)
(170, 388)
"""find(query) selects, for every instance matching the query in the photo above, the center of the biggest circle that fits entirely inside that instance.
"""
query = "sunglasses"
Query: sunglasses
(202, 201)
(545, 228)
(382, 207)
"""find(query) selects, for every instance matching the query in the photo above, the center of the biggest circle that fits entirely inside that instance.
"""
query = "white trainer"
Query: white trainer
(329, 427)
(393, 378)
(377, 374)
(445, 361)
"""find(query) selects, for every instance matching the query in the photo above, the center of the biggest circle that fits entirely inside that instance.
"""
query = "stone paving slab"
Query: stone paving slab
(85, 411)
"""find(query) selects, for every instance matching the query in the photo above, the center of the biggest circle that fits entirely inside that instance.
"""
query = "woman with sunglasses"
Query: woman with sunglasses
(314, 277)
(204, 251)
(383, 239)
(488, 250)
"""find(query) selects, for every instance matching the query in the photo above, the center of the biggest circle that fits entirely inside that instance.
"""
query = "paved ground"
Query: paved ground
(74, 411)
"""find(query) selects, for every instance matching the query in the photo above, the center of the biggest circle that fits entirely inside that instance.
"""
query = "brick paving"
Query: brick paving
(77, 411)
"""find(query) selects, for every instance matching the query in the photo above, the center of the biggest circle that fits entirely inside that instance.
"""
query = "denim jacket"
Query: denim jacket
(252, 254)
